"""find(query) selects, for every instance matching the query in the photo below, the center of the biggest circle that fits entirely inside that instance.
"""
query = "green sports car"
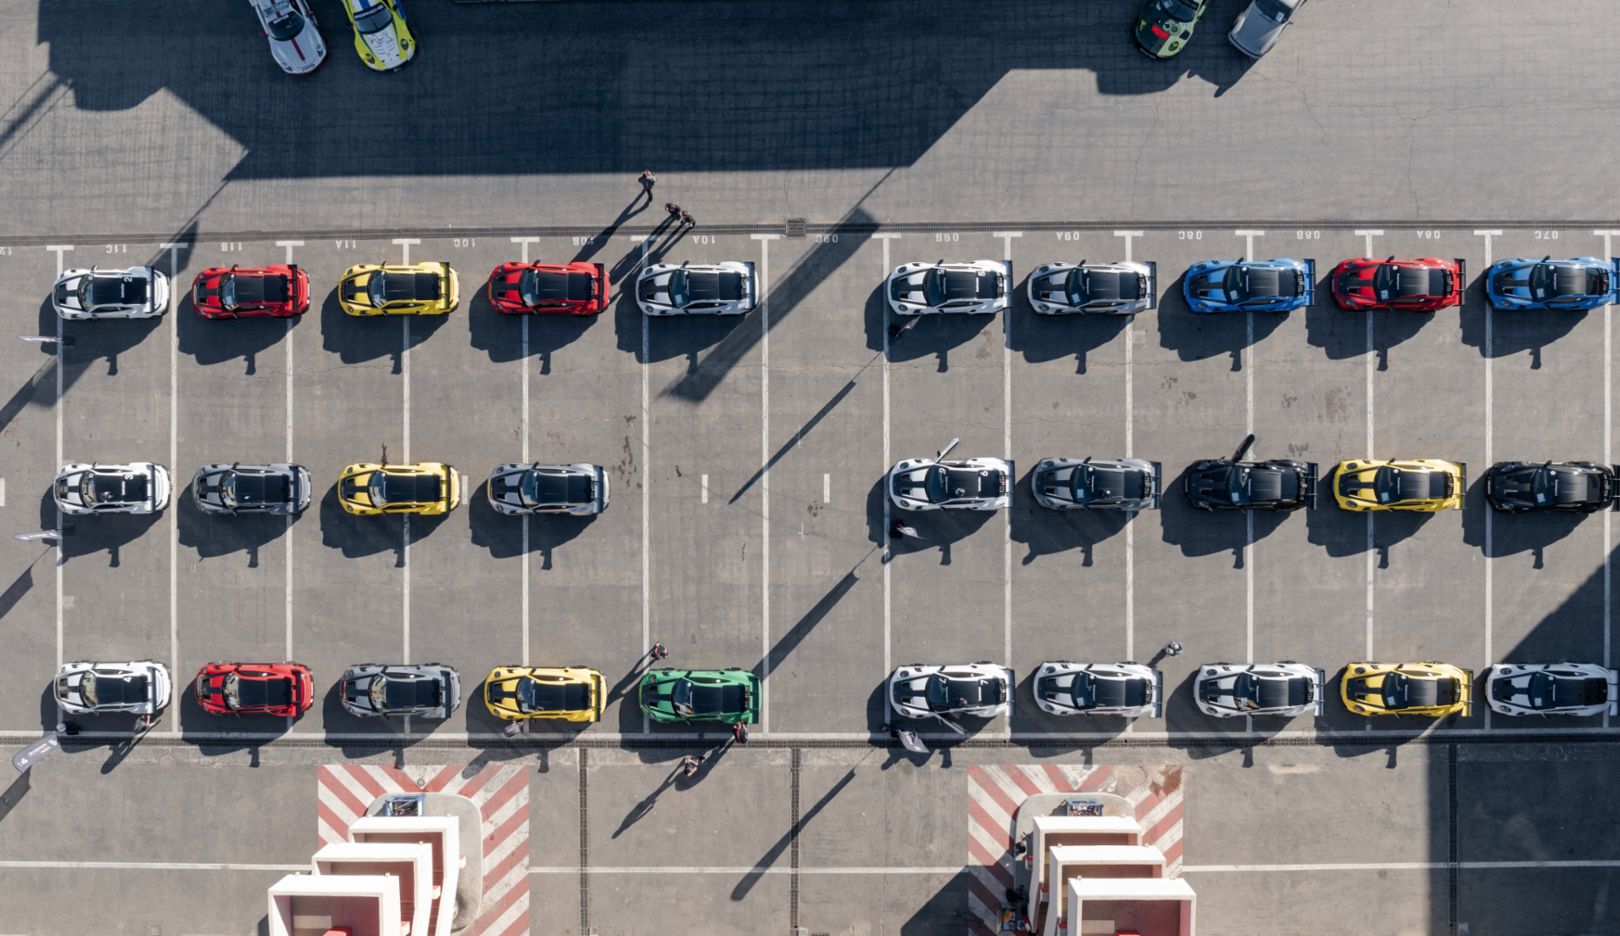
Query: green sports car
(729, 696)
(1166, 26)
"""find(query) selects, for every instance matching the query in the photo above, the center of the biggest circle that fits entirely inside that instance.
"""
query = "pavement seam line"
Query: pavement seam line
(796, 764)
(584, 841)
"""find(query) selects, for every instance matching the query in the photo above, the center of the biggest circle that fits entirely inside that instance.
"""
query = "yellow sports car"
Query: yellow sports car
(381, 35)
(427, 488)
(565, 693)
(1426, 484)
(1437, 689)
(427, 288)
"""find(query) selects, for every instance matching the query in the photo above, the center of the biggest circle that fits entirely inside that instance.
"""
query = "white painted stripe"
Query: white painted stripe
(765, 478)
(1247, 356)
(519, 907)
(888, 546)
(1370, 563)
(405, 456)
(1007, 452)
(646, 486)
(287, 539)
(505, 847)
(654, 870)
(703, 489)
(1130, 439)
(174, 458)
(1608, 458)
(2, 492)
(342, 776)
(826, 489)
(149, 866)
(1490, 407)
(1403, 866)
(58, 405)
(405, 247)
(523, 449)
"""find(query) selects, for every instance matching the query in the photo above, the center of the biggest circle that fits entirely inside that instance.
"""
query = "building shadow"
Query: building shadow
(39, 388)
(807, 622)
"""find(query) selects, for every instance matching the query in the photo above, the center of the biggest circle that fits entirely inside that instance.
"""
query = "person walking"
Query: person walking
(648, 180)
(689, 766)
(687, 220)
(739, 733)
(673, 209)
(658, 651)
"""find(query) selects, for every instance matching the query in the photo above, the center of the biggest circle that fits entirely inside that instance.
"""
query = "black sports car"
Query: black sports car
(1232, 484)
(1580, 487)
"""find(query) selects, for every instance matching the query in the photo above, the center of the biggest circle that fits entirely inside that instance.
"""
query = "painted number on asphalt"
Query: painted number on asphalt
(1546, 235)
(343, 244)
(1066, 235)
(5, 251)
(584, 241)
(946, 238)
(826, 238)
(116, 248)
(230, 246)
(1307, 235)
(1427, 235)
(1189, 235)
(702, 238)
(463, 242)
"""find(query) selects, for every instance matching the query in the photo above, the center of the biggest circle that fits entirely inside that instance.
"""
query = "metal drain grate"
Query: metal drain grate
(795, 227)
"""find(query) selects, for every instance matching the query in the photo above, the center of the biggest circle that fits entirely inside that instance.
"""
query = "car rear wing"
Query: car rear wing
(1462, 278)
(1158, 693)
(1614, 487)
(1308, 484)
(1462, 483)
(1310, 281)
(1008, 285)
(1614, 280)
(1152, 294)
(1467, 692)
(1158, 485)
(601, 286)
(753, 284)
(1614, 693)
(1321, 692)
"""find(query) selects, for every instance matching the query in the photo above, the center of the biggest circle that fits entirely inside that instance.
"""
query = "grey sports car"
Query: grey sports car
(1097, 484)
(1259, 26)
(247, 489)
(431, 690)
(577, 490)
(1119, 288)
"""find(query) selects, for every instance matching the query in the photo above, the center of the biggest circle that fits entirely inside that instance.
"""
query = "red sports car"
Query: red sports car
(576, 288)
(279, 291)
(1427, 284)
(285, 689)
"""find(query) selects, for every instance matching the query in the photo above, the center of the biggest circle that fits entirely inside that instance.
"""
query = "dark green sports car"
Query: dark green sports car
(1166, 26)
(729, 696)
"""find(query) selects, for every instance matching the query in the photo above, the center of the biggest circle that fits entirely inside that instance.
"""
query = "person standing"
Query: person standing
(648, 180)
(687, 220)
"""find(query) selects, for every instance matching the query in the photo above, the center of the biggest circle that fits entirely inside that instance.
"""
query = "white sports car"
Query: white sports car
(1226, 690)
(138, 292)
(725, 288)
(978, 287)
(1552, 689)
(979, 690)
(294, 37)
(140, 687)
(1119, 288)
(577, 490)
(1128, 690)
(963, 484)
(139, 488)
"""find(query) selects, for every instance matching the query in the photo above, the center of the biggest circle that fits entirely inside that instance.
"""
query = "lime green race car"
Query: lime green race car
(381, 34)
(1166, 26)
(729, 696)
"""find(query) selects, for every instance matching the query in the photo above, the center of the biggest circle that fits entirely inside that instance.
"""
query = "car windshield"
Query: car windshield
(1274, 10)
(227, 291)
(377, 288)
(938, 485)
(1246, 692)
(231, 687)
(934, 287)
(87, 689)
(1387, 484)
(1084, 690)
(87, 489)
(285, 23)
(1545, 486)
(1178, 9)
(227, 489)
(680, 698)
(378, 693)
(938, 693)
(1236, 283)
(1395, 690)
(374, 18)
(1543, 690)
(1078, 286)
(1237, 484)
(1080, 484)
(679, 289)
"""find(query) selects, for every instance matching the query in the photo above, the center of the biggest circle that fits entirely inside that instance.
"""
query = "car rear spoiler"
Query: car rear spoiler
(1614, 691)
(1321, 692)
(1614, 279)
(601, 285)
(1312, 471)
(1310, 281)
(1158, 693)
(1007, 265)
(1158, 485)
(1462, 278)
(1614, 487)
(1153, 284)
(753, 283)
(1462, 482)
(1468, 693)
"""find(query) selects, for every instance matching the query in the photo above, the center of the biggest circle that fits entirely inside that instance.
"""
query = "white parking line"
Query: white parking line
(903, 870)
(735, 870)
(888, 547)
(1554, 864)
(646, 484)
(1007, 453)
(826, 490)
(1490, 406)
(405, 457)
(1369, 234)
(287, 337)
(148, 866)
(59, 250)
(2, 492)
(174, 456)
(703, 488)
(1130, 439)
(1608, 458)
(764, 477)
(523, 448)
(1248, 356)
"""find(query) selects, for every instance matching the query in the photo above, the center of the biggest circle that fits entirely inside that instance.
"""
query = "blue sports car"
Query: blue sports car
(1579, 283)
(1280, 285)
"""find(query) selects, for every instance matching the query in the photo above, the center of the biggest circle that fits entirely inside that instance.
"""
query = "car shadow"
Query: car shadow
(98, 341)
(1196, 336)
(491, 331)
(356, 536)
(934, 335)
(356, 339)
(1392, 328)
(1340, 532)
(689, 337)
(547, 534)
(1518, 332)
(1512, 534)
(91, 535)
(1196, 735)
(493, 530)
(374, 732)
(202, 730)
(39, 388)
(1043, 338)
(1341, 335)
(1200, 532)
(1029, 718)
(936, 529)
(214, 342)
(1045, 532)
(1390, 528)
(214, 535)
